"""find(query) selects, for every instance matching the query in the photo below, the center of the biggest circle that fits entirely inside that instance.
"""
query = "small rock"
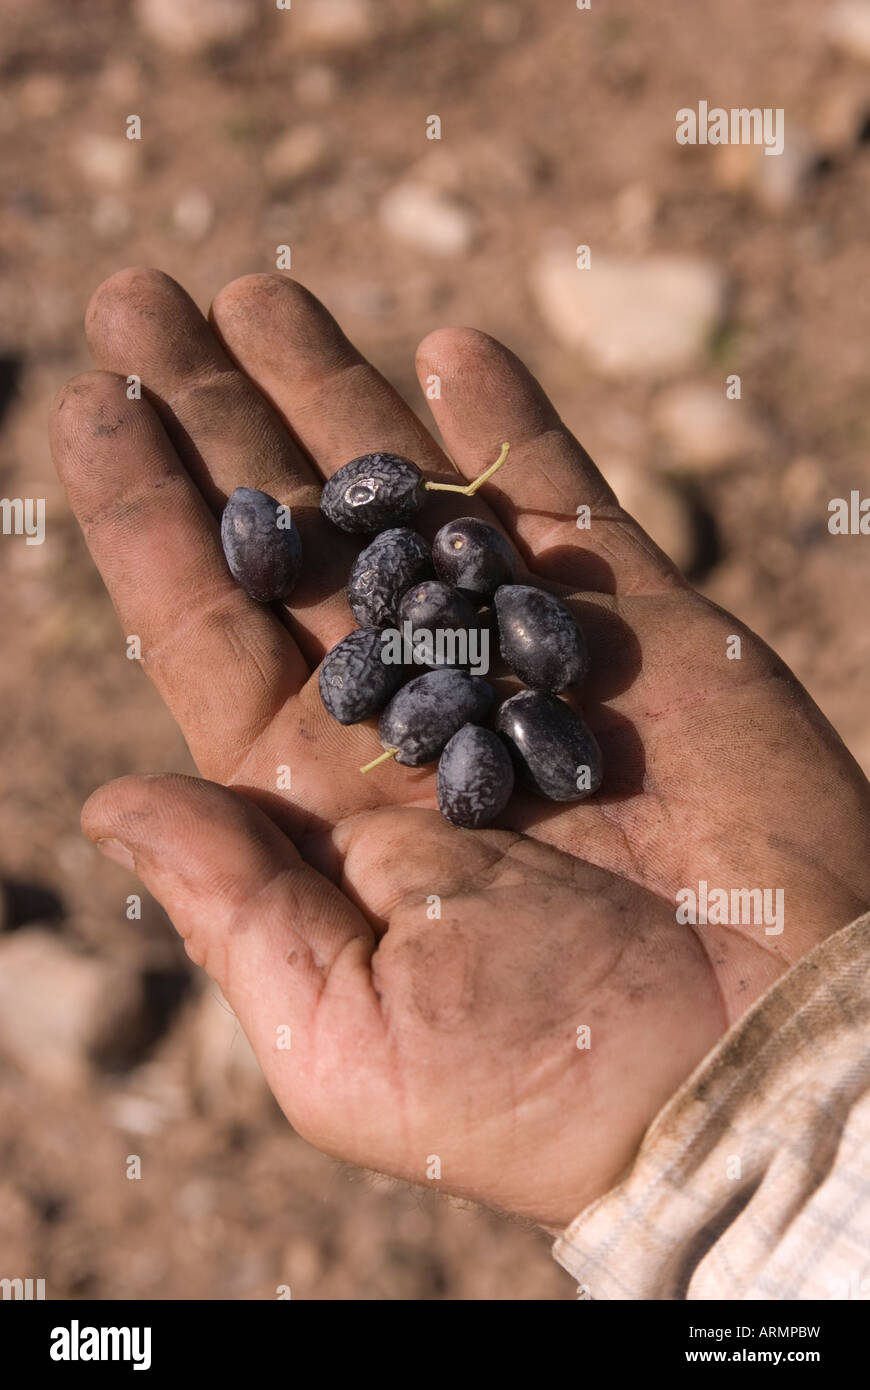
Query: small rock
(847, 26)
(107, 161)
(365, 299)
(506, 166)
(782, 180)
(645, 317)
(154, 1099)
(802, 487)
(489, 165)
(121, 81)
(196, 1200)
(16, 1213)
(440, 168)
(634, 212)
(302, 1264)
(500, 23)
(659, 507)
(328, 24)
(841, 116)
(294, 155)
(62, 1013)
(733, 166)
(194, 26)
(193, 214)
(110, 217)
(780, 557)
(136, 1114)
(702, 428)
(41, 96)
(30, 205)
(776, 182)
(316, 85)
(429, 220)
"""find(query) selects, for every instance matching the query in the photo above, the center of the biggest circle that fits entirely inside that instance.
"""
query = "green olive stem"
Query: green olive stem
(469, 489)
(376, 762)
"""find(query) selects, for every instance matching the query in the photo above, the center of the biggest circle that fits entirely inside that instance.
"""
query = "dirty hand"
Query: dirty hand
(441, 1048)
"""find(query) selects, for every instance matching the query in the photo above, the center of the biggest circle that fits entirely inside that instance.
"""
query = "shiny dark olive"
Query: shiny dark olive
(428, 711)
(441, 619)
(554, 753)
(539, 639)
(261, 544)
(474, 557)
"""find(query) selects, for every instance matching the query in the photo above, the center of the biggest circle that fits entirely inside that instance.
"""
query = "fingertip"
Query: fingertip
(255, 286)
(450, 349)
(85, 387)
(138, 315)
(123, 807)
(244, 301)
(134, 288)
(90, 407)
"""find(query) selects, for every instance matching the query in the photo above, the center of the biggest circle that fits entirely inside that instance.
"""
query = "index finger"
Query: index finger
(223, 664)
(488, 394)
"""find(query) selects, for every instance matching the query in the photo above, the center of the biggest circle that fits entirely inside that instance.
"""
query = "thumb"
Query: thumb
(266, 927)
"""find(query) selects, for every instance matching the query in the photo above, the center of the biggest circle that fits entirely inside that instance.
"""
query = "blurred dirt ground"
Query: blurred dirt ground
(307, 127)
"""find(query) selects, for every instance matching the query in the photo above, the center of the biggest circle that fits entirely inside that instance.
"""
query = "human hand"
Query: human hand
(454, 1037)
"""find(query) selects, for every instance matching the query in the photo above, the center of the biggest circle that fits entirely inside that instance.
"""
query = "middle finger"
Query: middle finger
(337, 405)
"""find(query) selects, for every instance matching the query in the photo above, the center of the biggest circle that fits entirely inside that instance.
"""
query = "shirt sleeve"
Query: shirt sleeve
(754, 1181)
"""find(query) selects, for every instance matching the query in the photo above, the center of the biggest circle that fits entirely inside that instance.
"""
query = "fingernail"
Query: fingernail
(113, 849)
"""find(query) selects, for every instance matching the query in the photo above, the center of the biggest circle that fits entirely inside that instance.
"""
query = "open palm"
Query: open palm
(413, 991)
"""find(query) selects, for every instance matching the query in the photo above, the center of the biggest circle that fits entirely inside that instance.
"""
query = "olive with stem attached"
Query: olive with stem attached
(427, 712)
(381, 489)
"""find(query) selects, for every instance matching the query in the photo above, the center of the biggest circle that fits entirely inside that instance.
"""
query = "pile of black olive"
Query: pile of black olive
(400, 589)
